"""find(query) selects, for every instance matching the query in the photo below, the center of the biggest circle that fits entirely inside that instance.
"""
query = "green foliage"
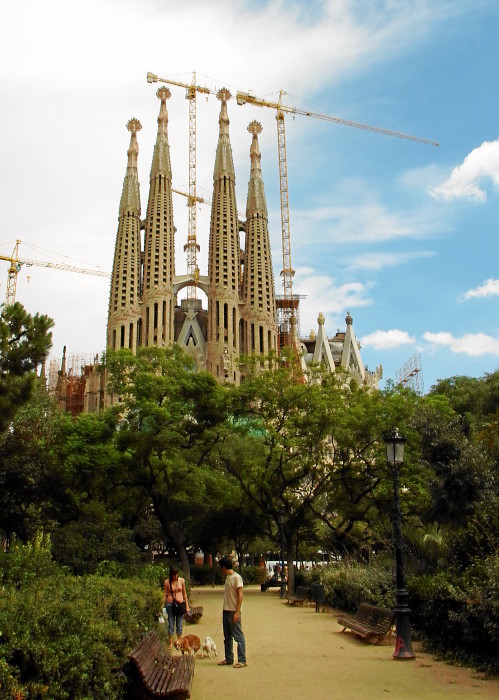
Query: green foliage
(458, 614)
(95, 542)
(348, 584)
(67, 637)
(24, 343)
(26, 563)
(31, 479)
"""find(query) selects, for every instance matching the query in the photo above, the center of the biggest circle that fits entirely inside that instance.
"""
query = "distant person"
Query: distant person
(176, 604)
(231, 616)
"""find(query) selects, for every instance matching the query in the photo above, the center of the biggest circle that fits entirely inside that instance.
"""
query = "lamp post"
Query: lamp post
(282, 520)
(395, 444)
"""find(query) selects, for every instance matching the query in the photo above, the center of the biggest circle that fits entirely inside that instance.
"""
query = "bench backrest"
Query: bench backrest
(376, 618)
(301, 592)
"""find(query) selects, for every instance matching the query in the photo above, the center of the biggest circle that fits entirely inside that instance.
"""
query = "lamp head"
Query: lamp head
(395, 444)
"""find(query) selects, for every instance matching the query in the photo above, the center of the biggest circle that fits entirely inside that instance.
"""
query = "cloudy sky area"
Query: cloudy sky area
(401, 234)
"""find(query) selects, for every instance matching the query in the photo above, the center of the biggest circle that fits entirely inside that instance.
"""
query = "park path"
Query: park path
(295, 653)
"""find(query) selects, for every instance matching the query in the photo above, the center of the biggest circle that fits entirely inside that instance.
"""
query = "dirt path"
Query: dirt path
(295, 653)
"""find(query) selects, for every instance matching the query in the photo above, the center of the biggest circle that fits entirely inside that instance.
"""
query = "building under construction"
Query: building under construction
(243, 315)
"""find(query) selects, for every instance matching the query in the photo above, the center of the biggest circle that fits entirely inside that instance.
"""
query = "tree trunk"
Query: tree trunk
(291, 568)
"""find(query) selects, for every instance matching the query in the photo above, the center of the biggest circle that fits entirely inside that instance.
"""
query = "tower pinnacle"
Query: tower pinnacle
(161, 164)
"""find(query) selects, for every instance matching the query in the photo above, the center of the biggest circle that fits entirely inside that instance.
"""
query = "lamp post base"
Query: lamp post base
(403, 643)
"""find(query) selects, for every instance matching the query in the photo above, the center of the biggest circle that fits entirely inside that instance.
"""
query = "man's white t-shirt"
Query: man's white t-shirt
(232, 583)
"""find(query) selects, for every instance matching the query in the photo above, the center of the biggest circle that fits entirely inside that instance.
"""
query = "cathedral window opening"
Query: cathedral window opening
(130, 336)
(122, 344)
(261, 339)
(155, 316)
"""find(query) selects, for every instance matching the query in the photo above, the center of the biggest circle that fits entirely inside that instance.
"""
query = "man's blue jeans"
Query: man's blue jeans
(233, 631)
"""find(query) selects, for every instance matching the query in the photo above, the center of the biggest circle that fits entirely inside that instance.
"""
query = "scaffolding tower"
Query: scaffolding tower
(411, 375)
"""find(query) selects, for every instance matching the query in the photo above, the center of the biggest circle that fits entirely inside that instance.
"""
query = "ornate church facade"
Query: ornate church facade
(240, 318)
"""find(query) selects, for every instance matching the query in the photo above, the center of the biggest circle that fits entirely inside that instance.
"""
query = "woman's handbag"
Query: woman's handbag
(179, 608)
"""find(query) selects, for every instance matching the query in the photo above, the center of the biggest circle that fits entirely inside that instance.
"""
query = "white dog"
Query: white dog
(208, 646)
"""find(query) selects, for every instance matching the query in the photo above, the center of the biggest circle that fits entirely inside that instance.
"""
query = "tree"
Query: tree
(30, 476)
(24, 343)
(277, 447)
(169, 416)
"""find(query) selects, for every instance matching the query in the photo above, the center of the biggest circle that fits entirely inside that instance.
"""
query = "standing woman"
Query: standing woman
(176, 603)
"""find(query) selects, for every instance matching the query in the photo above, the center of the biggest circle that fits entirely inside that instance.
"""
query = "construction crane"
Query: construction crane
(191, 247)
(16, 264)
(289, 302)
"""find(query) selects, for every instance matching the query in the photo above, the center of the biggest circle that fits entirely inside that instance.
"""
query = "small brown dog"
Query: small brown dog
(190, 644)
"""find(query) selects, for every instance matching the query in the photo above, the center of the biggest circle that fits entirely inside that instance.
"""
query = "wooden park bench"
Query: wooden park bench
(272, 583)
(158, 674)
(300, 596)
(369, 622)
(194, 614)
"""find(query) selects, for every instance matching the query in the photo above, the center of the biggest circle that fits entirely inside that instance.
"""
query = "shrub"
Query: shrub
(458, 615)
(93, 541)
(67, 637)
(348, 584)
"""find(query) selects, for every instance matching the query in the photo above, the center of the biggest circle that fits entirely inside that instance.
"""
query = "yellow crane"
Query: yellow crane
(191, 247)
(289, 302)
(16, 264)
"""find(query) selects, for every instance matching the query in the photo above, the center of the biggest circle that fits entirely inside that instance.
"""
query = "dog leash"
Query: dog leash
(218, 630)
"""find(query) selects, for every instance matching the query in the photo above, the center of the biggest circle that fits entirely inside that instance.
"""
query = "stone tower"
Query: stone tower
(159, 246)
(258, 323)
(123, 324)
(224, 260)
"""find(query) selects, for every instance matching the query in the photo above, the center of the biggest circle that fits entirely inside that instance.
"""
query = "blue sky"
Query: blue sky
(402, 235)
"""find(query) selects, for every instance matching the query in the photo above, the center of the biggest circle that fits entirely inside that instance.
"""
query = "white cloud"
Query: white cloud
(474, 345)
(385, 340)
(379, 261)
(490, 288)
(465, 181)
(325, 296)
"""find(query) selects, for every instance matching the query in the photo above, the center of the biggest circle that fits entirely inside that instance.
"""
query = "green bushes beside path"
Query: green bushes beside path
(67, 637)
(455, 615)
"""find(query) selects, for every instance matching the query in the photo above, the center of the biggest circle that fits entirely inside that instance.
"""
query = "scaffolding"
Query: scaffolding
(411, 375)
(67, 379)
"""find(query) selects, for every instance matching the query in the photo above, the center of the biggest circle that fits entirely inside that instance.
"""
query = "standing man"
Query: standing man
(233, 631)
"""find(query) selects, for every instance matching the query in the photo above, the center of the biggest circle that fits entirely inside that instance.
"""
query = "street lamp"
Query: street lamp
(395, 444)
(282, 520)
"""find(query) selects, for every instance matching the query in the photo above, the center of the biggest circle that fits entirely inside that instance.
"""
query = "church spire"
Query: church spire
(224, 259)
(258, 313)
(256, 195)
(123, 324)
(130, 195)
(224, 165)
(161, 159)
(159, 244)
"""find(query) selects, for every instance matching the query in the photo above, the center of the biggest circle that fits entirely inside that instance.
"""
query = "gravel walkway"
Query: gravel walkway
(294, 653)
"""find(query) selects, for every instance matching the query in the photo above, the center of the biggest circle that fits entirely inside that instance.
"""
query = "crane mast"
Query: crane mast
(287, 273)
(191, 248)
(290, 302)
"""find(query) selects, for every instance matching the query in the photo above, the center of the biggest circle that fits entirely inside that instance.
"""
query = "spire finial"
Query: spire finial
(224, 96)
(255, 128)
(133, 125)
(348, 319)
(163, 94)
